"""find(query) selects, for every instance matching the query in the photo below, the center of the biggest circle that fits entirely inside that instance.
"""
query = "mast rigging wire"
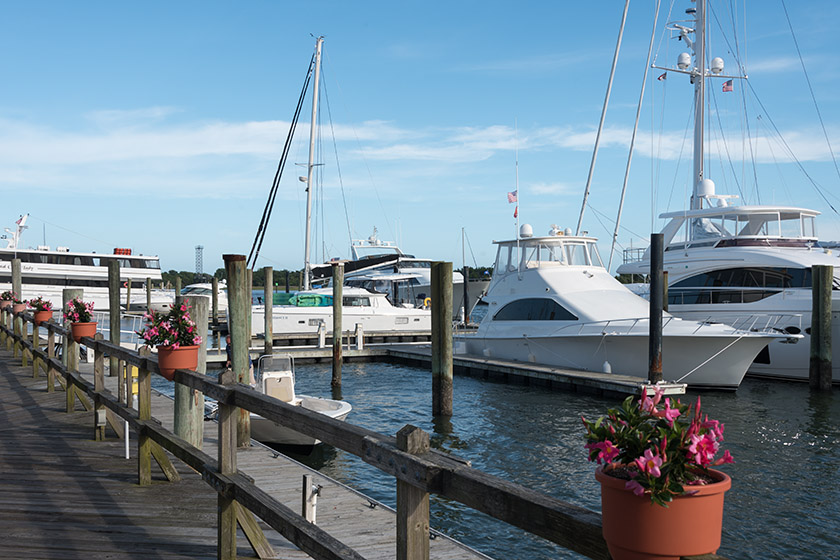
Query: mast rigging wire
(272, 195)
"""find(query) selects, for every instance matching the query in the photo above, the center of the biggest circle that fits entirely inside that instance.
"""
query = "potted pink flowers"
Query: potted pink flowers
(6, 299)
(42, 309)
(659, 495)
(80, 314)
(176, 338)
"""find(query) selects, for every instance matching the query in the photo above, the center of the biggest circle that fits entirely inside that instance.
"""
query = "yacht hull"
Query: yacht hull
(704, 362)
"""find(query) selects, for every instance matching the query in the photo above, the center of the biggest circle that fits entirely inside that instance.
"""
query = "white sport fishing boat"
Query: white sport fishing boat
(739, 264)
(45, 272)
(275, 377)
(552, 302)
(162, 300)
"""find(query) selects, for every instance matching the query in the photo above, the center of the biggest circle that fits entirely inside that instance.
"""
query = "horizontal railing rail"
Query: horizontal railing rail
(430, 471)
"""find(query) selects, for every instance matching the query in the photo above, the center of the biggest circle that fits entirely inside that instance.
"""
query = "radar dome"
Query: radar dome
(526, 230)
(717, 65)
(683, 61)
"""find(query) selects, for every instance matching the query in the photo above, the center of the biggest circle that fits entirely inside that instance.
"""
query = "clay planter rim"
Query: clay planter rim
(79, 330)
(186, 356)
(42, 316)
(4, 303)
(721, 479)
(636, 528)
(18, 307)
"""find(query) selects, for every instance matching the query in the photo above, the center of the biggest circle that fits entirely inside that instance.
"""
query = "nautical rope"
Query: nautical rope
(712, 357)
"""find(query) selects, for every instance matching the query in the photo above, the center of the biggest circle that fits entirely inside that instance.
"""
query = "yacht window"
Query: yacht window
(577, 254)
(553, 253)
(594, 257)
(809, 227)
(770, 277)
(531, 256)
(791, 227)
(534, 309)
(356, 301)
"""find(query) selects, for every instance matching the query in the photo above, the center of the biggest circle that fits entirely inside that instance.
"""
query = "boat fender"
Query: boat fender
(607, 367)
(427, 302)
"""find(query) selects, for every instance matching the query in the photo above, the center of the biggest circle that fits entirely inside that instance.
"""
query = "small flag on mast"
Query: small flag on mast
(727, 85)
(512, 196)
(662, 77)
(516, 211)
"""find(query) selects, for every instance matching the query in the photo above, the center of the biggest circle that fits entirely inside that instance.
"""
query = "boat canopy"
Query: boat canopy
(539, 252)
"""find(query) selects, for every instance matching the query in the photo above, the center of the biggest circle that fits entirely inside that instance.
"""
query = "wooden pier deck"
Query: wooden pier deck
(64, 495)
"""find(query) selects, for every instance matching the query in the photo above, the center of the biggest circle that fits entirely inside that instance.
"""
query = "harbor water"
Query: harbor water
(785, 440)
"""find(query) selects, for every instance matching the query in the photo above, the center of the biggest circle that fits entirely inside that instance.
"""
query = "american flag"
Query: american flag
(662, 77)
(727, 85)
(512, 196)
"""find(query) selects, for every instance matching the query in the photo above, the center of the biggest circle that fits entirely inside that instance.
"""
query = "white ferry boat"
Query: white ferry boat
(45, 271)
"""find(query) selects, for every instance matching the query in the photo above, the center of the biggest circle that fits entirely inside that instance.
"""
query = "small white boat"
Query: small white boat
(162, 300)
(276, 378)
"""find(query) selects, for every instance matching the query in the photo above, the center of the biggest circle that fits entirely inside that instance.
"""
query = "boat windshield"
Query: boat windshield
(538, 253)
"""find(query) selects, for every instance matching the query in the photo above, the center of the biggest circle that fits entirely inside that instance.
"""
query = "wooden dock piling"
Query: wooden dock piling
(442, 339)
(113, 312)
(189, 402)
(239, 313)
(819, 371)
(338, 299)
(268, 300)
(656, 299)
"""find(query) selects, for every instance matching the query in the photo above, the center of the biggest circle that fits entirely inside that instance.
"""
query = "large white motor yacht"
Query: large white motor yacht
(45, 271)
(552, 302)
(743, 264)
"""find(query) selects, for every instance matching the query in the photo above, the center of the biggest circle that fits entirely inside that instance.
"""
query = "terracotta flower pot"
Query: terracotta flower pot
(636, 529)
(78, 330)
(170, 359)
(18, 307)
(4, 303)
(42, 317)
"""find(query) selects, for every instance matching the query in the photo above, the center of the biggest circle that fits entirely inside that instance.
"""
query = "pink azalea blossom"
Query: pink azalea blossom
(726, 459)
(608, 451)
(703, 449)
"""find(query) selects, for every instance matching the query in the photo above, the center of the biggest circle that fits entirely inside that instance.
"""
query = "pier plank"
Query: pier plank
(62, 494)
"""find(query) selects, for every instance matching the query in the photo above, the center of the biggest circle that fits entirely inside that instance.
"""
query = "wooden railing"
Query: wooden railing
(419, 470)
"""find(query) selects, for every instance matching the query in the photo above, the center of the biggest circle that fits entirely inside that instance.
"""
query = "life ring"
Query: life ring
(427, 302)
(125, 284)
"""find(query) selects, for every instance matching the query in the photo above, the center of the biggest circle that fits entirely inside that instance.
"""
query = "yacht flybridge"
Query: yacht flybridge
(739, 264)
(45, 271)
(551, 301)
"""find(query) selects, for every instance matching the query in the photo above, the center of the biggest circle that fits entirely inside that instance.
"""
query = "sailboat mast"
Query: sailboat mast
(699, 100)
(307, 266)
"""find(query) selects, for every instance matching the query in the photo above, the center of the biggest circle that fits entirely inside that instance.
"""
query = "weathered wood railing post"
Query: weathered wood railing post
(128, 295)
(268, 300)
(466, 274)
(338, 299)
(442, 339)
(238, 312)
(228, 442)
(144, 412)
(189, 403)
(70, 349)
(99, 418)
(819, 372)
(36, 339)
(17, 279)
(113, 312)
(412, 502)
(50, 355)
(656, 299)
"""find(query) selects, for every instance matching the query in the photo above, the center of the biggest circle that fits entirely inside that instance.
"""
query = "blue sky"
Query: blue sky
(158, 125)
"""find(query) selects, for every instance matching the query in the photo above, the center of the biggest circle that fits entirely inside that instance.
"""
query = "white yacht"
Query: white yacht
(162, 300)
(45, 271)
(381, 266)
(741, 264)
(310, 311)
(552, 302)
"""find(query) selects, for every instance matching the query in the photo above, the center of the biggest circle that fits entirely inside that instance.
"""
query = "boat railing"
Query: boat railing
(640, 325)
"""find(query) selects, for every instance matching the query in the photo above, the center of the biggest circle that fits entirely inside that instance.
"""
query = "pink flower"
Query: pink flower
(703, 449)
(726, 459)
(649, 463)
(608, 450)
(637, 488)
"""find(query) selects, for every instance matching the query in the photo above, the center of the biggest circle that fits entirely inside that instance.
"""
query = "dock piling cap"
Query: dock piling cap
(666, 387)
